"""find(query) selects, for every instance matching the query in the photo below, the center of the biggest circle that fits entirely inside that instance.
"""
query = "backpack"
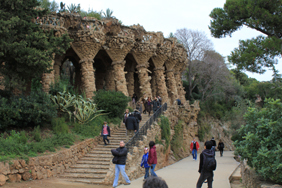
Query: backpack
(221, 145)
(210, 163)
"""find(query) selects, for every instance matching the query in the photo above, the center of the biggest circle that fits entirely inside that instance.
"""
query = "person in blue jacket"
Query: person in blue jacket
(144, 163)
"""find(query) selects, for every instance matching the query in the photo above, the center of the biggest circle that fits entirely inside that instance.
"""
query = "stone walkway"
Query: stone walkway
(184, 174)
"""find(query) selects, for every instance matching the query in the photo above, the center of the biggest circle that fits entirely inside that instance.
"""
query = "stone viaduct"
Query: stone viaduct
(108, 55)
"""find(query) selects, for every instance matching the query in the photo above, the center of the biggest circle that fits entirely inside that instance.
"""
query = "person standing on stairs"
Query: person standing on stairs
(156, 104)
(119, 160)
(106, 131)
(152, 159)
(131, 126)
(138, 117)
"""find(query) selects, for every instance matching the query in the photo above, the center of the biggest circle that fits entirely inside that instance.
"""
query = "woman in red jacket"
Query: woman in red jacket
(152, 159)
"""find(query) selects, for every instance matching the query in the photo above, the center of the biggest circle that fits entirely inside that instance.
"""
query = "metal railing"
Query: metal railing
(143, 130)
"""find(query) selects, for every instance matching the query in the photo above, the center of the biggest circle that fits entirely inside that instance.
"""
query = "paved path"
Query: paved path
(184, 174)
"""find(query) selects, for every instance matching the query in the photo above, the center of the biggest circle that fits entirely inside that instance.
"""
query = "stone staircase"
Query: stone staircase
(93, 167)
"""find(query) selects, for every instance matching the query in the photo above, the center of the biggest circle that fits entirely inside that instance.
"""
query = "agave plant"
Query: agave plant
(65, 102)
(85, 111)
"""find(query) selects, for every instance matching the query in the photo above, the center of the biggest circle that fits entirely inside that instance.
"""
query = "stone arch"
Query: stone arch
(103, 71)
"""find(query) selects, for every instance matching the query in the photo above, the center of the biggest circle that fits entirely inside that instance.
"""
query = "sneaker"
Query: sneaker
(127, 183)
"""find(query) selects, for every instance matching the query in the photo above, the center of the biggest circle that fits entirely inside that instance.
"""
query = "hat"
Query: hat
(146, 149)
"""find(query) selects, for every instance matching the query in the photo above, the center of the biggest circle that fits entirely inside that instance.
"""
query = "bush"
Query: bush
(112, 102)
(26, 111)
(261, 140)
(59, 126)
(165, 133)
(177, 139)
(91, 129)
(36, 133)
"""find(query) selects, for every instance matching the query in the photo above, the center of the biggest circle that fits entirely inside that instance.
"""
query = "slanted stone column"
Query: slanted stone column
(110, 79)
(161, 84)
(87, 77)
(172, 89)
(119, 76)
(154, 85)
(130, 82)
(144, 79)
(48, 79)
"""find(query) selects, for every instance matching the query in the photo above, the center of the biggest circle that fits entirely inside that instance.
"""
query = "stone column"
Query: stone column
(57, 67)
(110, 79)
(144, 79)
(130, 82)
(161, 84)
(154, 85)
(48, 79)
(119, 75)
(87, 77)
(179, 84)
(172, 89)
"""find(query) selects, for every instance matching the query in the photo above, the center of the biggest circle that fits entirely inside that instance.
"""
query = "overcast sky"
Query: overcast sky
(168, 16)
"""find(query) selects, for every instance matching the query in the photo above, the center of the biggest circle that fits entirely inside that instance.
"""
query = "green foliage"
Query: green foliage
(261, 140)
(204, 129)
(36, 133)
(112, 102)
(59, 126)
(177, 139)
(108, 13)
(264, 16)
(90, 129)
(130, 109)
(165, 133)
(91, 13)
(25, 48)
(26, 111)
(16, 145)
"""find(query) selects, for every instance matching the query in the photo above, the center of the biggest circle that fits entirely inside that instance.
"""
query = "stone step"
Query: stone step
(88, 181)
(95, 159)
(83, 175)
(90, 166)
(101, 152)
(98, 155)
(83, 170)
(93, 162)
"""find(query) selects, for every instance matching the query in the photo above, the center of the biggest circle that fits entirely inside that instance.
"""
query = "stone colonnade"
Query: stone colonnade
(160, 78)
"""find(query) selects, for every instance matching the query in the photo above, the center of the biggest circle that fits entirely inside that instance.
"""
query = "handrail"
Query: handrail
(143, 130)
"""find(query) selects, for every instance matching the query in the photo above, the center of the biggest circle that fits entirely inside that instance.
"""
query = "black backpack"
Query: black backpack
(210, 163)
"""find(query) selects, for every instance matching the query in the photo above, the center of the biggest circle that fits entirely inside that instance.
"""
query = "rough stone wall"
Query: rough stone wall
(188, 114)
(251, 180)
(2, 86)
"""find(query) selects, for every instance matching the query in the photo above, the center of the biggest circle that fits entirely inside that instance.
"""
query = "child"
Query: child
(106, 132)
(144, 163)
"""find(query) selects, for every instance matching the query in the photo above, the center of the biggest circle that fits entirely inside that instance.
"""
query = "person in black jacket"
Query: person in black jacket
(204, 174)
(105, 132)
(119, 160)
(138, 117)
(220, 147)
(131, 126)
(156, 105)
(213, 145)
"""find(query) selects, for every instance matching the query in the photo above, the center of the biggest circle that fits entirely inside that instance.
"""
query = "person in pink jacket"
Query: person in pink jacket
(194, 147)
(152, 159)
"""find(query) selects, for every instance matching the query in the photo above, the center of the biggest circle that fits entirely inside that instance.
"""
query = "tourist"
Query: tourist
(144, 101)
(106, 132)
(213, 144)
(131, 126)
(134, 100)
(154, 182)
(144, 163)
(139, 106)
(149, 105)
(125, 116)
(119, 160)
(178, 101)
(152, 159)
(194, 147)
(156, 104)
(220, 147)
(160, 100)
(138, 117)
(205, 173)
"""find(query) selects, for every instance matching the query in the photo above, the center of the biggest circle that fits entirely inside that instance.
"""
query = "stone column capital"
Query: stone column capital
(142, 66)
(86, 60)
(159, 68)
(171, 70)
(119, 62)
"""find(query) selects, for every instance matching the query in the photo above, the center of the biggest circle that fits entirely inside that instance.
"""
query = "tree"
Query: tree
(255, 54)
(46, 4)
(26, 51)
(108, 13)
(196, 43)
(73, 8)
(91, 13)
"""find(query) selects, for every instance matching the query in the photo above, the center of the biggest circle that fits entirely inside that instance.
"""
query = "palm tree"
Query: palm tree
(108, 13)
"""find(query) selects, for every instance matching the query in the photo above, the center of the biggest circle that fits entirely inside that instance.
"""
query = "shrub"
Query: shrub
(261, 140)
(165, 133)
(59, 126)
(26, 111)
(112, 102)
(36, 133)
(177, 139)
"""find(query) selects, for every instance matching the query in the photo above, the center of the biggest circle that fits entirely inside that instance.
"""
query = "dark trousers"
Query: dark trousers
(105, 138)
(205, 176)
(221, 153)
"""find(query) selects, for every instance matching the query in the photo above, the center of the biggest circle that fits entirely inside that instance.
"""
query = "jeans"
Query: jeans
(213, 148)
(146, 173)
(194, 154)
(205, 176)
(105, 138)
(120, 168)
(153, 166)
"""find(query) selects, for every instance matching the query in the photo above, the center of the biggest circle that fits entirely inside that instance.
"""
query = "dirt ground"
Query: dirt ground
(51, 183)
